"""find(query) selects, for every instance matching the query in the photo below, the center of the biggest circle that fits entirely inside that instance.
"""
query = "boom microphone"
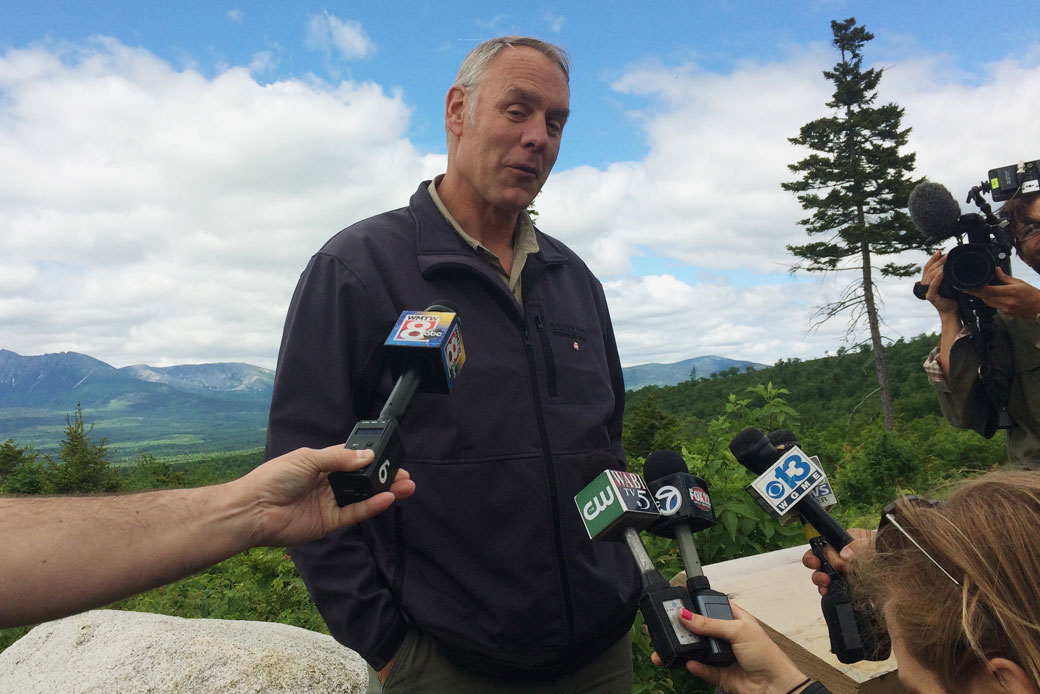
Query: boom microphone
(425, 349)
(685, 506)
(933, 211)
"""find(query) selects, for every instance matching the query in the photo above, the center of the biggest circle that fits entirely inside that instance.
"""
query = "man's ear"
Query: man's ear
(1011, 677)
(456, 110)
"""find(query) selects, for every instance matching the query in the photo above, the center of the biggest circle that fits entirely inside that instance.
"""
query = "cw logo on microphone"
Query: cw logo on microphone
(598, 504)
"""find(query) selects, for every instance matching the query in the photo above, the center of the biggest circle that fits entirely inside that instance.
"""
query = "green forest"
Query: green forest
(830, 403)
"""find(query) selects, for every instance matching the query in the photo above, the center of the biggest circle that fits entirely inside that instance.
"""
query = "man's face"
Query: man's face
(508, 147)
(1029, 235)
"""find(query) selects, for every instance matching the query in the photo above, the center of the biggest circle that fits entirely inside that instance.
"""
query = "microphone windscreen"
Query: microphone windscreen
(783, 439)
(442, 306)
(663, 463)
(933, 210)
(753, 450)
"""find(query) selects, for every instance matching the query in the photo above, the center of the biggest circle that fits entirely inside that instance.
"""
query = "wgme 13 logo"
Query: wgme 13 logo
(788, 480)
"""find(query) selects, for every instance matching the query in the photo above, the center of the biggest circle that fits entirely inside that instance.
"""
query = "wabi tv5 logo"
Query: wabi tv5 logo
(786, 481)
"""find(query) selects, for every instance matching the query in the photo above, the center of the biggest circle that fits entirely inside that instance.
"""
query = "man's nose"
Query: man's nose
(536, 134)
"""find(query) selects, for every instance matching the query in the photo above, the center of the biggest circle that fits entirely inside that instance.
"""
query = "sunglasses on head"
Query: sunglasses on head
(888, 518)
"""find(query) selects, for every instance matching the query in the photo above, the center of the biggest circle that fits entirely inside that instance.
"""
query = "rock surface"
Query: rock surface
(119, 652)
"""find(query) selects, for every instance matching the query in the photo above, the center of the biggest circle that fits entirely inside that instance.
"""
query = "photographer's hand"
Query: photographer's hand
(932, 276)
(950, 325)
(1013, 297)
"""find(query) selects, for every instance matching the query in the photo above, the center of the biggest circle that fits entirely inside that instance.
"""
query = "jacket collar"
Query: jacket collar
(439, 246)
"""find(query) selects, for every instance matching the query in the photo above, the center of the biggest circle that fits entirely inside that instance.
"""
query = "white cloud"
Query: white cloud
(555, 21)
(708, 196)
(326, 32)
(154, 215)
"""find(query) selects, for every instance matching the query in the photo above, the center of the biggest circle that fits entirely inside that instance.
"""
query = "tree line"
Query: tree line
(83, 466)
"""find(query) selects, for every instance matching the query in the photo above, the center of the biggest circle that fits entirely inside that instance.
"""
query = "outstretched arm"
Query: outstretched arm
(61, 555)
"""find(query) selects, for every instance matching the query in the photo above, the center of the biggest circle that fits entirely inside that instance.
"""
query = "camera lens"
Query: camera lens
(970, 267)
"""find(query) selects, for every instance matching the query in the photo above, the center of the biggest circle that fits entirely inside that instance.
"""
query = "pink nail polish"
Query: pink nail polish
(686, 614)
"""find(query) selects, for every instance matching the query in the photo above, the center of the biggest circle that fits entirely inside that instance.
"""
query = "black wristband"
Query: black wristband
(816, 688)
(798, 686)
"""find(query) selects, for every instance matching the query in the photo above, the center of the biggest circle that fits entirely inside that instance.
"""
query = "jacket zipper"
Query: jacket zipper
(568, 599)
(550, 362)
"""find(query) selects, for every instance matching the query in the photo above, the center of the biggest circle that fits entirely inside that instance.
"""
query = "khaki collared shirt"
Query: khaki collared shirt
(524, 243)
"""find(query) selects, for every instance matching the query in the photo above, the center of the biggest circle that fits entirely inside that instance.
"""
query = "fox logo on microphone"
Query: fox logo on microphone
(785, 482)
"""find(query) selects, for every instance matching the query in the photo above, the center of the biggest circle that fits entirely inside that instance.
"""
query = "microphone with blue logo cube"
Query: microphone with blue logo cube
(786, 476)
(784, 482)
(425, 351)
(785, 439)
(686, 508)
(615, 506)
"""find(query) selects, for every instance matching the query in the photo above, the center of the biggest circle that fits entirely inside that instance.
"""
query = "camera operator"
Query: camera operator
(953, 366)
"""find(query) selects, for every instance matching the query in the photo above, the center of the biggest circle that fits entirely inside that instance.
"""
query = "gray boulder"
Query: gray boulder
(119, 652)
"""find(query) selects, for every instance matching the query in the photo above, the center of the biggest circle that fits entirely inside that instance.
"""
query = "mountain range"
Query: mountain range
(178, 410)
(202, 408)
(643, 375)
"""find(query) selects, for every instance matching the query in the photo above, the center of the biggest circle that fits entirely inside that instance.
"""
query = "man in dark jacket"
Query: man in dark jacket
(486, 580)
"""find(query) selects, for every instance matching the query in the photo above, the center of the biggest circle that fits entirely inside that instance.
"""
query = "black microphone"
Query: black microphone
(934, 211)
(615, 506)
(854, 635)
(686, 507)
(753, 450)
(425, 352)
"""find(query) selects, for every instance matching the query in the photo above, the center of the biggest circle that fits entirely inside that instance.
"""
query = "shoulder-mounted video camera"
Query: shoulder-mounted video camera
(972, 264)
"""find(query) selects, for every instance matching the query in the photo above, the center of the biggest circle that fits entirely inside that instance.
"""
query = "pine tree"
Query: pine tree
(856, 184)
(19, 469)
(650, 429)
(84, 465)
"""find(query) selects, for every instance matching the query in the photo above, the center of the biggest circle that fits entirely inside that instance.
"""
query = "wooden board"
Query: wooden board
(777, 590)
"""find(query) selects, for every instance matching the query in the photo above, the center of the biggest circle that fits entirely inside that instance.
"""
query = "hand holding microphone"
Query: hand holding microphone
(425, 348)
(615, 506)
(760, 665)
(686, 508)
(785, 479)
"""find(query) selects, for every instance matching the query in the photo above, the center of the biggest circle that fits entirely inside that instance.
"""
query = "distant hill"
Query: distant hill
(182, 410)
(643, 375)
(163, 411)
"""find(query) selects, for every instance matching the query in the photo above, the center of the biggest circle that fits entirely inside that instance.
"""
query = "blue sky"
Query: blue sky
(173, 165)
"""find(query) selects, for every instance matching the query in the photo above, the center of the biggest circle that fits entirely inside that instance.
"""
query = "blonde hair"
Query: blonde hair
(987, 536)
